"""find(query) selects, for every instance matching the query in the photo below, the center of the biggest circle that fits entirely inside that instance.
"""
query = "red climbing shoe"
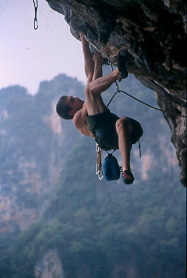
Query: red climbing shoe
(127, 177)
(121, 64)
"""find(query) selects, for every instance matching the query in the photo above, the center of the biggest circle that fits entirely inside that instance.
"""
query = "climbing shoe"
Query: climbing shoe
(121, 64)
(127, 177)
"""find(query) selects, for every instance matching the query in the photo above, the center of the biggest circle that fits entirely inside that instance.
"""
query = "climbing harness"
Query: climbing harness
(35, 2)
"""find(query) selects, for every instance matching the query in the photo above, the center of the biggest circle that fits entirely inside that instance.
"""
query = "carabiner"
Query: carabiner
(35, 24)
(99, 170)
(35, 2)
(100, 174)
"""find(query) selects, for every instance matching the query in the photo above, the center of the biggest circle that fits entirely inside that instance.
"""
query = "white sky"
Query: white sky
(29, 56)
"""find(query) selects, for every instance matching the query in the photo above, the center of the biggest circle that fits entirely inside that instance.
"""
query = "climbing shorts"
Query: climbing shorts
(103, 129)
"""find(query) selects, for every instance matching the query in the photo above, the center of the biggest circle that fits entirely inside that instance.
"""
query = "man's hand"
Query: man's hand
(83, 40)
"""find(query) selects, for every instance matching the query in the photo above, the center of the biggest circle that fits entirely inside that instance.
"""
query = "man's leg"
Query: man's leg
(94, 89)
(124, 130)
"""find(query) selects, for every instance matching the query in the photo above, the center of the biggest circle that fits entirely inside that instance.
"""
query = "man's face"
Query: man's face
(74, 103)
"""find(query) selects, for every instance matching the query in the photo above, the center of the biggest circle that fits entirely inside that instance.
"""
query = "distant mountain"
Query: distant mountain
(35, 144)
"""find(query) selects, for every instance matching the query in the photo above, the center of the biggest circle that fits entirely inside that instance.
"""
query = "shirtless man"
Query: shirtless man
(92, 118)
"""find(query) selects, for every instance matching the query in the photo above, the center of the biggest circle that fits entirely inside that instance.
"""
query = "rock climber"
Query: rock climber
(92, 118)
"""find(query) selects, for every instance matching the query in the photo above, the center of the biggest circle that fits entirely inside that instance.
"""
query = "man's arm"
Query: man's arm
(80, 123)
(88, 59)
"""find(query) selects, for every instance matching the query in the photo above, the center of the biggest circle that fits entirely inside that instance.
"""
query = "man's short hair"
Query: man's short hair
(63, 109)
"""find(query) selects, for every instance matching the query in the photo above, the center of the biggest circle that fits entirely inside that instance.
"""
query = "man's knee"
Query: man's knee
(124, 124)
(88, 90)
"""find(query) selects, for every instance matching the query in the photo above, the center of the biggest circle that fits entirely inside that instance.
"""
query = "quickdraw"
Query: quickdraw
(35, 2)
(99, 170)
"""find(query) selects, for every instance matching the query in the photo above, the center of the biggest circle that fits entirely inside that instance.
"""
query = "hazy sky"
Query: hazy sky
(29, 56)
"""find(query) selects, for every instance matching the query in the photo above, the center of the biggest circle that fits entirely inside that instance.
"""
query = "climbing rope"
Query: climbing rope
(35, 2)
(118, 90)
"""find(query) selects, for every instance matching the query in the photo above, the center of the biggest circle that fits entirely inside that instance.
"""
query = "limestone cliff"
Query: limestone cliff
(33, 147)
(49, 266)
(153, 36)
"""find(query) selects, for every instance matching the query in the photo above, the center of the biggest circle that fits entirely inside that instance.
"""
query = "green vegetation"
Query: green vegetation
(101, 227)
